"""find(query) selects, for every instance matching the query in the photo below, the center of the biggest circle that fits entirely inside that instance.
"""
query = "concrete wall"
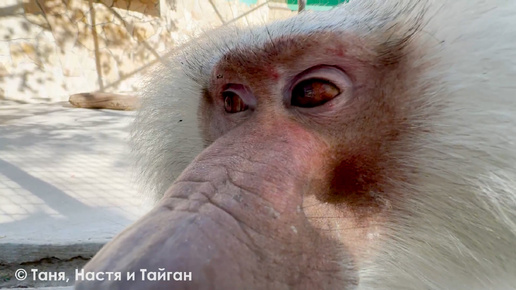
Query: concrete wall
(49, 49)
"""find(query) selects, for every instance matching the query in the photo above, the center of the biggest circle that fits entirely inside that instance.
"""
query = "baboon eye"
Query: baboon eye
(313, 92)
(233, 103)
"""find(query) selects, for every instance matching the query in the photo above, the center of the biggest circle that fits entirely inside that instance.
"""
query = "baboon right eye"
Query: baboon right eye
(237, 98)
(233, 103)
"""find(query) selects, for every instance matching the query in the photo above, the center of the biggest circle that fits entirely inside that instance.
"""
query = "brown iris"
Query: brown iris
(313, 92)
(233, 103)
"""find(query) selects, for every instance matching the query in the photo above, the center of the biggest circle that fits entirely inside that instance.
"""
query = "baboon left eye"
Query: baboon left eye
(313, 92)
(233, 103)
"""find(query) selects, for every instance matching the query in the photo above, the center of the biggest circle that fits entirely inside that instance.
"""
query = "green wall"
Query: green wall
(310, 4)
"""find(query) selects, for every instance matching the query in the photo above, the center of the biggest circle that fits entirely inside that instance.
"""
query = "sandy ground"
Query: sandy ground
(66, 184)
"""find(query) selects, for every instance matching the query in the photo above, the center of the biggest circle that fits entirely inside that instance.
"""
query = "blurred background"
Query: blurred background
(66, 180)
(50, 49)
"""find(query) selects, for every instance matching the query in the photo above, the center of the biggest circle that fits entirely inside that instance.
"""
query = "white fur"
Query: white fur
(456, 229)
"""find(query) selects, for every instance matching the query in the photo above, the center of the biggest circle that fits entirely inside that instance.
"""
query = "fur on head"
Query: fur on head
(454, 224)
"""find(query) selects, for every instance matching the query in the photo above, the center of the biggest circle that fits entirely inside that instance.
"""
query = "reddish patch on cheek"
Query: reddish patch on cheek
(354, 178)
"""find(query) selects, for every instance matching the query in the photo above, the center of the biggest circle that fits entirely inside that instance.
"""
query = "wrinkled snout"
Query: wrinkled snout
(232, 220)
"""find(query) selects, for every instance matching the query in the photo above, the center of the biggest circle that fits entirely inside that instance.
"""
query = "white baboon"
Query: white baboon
(372, 146)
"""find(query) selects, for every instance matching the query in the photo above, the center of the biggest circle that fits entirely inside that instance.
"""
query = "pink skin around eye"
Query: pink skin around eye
(244, 93)
(332, 74)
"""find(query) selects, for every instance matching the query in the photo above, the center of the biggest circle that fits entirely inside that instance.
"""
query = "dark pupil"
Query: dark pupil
(233, 103)
(313, 92)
